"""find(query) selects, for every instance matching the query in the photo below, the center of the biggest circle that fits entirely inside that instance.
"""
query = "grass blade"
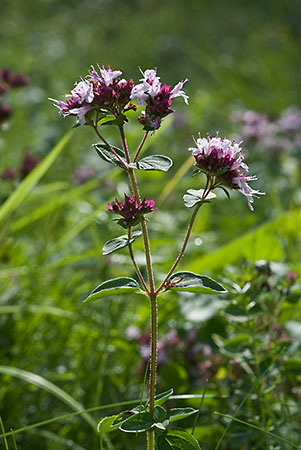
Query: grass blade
(32, 179)
(3, 434)
(258, 429)
(41, 382)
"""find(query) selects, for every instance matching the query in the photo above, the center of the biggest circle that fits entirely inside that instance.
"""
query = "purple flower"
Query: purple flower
(222, 161)
(102, 93)
(12, 80)
(131, 210)
(28, 164)
(290, 120)
(156, 97)
(83, 174)
(5, 112)
(8, 174)
(254, 125)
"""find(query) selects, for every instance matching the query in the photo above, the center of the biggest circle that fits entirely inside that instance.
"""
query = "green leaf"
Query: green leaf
(194, 196)
(161, 398)
(293, 366)
(116, 244)
(191, 282)
(106, 154)
(176, 439)
(159, 413)
(155, 162)
(112, 120)
(116, 286)
(237, 343)
(179, 413)
(105, 425)
(138, 423)
(112, 423)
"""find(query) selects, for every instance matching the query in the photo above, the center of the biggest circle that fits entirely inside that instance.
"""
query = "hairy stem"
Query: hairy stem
(153, 363)
(135, 264)
(188, 232)
(145, 235)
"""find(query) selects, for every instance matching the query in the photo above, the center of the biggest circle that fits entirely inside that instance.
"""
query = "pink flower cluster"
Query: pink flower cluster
(156, 97)
(106, 93)
(131, 210)
(102, 93)
(222, 161)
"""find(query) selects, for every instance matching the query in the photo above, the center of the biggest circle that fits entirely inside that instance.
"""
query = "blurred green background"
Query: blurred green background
(237, 55)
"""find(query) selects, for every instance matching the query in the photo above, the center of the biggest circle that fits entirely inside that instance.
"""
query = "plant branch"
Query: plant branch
(110, 147)
(140, 146)
(124, 143)
(188, 232)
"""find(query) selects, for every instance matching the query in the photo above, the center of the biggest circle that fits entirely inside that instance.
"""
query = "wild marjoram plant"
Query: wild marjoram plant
(102, 99)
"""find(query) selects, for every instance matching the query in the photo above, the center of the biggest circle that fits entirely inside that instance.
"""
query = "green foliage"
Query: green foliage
(193, 197)
(154, 162)
(106, 154)
(177, 439)
(191, 282)
(122, 285)
(117, 243)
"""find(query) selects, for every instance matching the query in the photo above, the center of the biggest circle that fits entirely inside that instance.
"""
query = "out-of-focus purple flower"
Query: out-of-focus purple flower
(290, 120)
(132, 332)
(131, 210)
(5, 74)
(12, 80)
(18, 80)
(8, 174)
(28, 164)
(156, 97)
(222, 161)
(83, 174)
(100, 93)
(5, 112)
(254, 125)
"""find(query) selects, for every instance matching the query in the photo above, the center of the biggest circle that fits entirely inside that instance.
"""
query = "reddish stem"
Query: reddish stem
(125, 146)
(110, 147)
(140, 146)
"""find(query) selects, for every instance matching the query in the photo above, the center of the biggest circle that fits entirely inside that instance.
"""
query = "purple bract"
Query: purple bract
(131, 210)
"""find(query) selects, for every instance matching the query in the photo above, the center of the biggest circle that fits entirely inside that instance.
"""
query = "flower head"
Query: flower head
(101, 92)
(156, 97)
(131, 210)
(222, 161)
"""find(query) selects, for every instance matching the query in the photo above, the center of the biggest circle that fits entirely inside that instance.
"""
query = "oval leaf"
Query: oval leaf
(194, 196)
(159, 413)
(191, 282)
(155, 162)
(112, 423)
(116, 244)
(138, 423)
(161, 398)
(179, 413)
(105, 425)
(113, 287)
(177, 439)
(106, 154)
